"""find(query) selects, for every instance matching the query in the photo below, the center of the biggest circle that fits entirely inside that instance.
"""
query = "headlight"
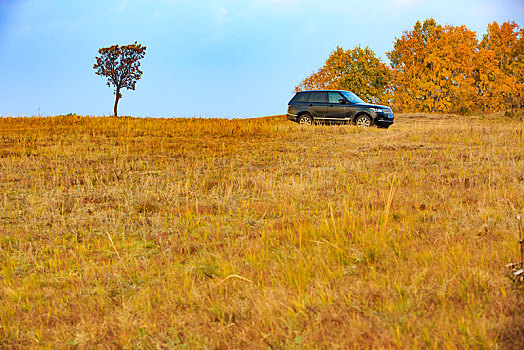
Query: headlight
(377, 110)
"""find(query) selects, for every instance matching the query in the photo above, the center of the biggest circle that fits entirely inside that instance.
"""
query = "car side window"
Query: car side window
(334, 97)
(318, 97)
(301, 97)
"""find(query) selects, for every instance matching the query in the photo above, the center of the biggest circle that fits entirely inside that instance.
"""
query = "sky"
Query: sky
(204, 58)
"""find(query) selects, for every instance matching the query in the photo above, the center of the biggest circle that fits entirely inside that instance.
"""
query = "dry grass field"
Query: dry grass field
(207, 233)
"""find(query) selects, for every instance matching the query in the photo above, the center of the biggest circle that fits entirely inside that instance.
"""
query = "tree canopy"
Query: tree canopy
(499, 70)
(358, 70)
(121, 66)
(434, 68)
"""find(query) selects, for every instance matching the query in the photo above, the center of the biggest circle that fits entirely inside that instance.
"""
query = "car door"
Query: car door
(317, 104)
(337, 110)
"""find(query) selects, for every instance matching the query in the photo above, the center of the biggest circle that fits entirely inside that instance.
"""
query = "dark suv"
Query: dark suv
(332, 106)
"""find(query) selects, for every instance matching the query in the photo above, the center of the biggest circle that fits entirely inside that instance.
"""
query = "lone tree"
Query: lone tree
(121, 66)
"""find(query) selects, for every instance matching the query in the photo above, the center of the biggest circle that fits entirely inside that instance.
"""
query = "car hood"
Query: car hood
(369, 105)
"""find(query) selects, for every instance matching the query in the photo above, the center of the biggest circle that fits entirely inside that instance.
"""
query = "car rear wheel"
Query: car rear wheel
(363, 121)
(305, 119)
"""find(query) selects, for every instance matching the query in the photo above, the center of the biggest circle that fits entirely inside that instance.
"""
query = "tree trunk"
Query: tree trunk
(117, 97)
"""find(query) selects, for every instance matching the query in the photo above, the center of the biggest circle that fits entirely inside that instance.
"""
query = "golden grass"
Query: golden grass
(259, 233)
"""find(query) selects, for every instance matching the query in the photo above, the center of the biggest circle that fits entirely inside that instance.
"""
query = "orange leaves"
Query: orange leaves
(121, 66)
(434, 68)
(500, 79)
(433, 63)
(358, 70)
(445, 69)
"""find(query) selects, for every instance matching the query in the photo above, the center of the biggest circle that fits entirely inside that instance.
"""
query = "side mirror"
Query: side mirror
(342, 101)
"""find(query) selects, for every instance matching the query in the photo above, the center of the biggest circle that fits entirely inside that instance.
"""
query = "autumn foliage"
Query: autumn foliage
(434, 68)
(121, 66)
(358, 69)
(499, 72)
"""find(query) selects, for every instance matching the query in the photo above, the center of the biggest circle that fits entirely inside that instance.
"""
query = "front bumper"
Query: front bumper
(384, 119)
(292, 117)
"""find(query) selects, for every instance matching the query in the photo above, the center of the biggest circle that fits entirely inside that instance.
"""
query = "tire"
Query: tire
(305, 119)
(363, 121)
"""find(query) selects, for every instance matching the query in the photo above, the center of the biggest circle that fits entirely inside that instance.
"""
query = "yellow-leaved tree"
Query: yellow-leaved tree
(432, 68)
(499, 68)
(358, 70)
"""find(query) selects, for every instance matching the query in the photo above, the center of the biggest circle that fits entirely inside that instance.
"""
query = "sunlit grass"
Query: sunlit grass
(233, 233)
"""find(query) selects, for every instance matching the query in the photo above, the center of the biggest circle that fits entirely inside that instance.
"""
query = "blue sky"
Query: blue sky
(205, 58)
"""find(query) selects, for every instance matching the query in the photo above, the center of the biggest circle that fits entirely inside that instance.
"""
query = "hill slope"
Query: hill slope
(228, 233)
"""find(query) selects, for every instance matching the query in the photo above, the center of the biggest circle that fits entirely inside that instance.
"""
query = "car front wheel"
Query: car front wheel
(305, 119)
(363, 121)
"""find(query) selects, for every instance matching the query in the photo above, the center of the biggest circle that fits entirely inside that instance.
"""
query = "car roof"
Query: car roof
(320, 91)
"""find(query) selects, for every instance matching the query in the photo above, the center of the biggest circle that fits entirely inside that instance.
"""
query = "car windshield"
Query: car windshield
(352, 97)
